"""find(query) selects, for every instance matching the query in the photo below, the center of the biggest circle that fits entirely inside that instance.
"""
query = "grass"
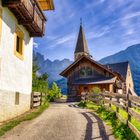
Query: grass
(120, 130)
(124, 115)
(9, 125)
(137, 110)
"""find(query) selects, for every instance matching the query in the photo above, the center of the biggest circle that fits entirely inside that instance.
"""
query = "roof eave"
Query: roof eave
(46, 4)
(64, 73)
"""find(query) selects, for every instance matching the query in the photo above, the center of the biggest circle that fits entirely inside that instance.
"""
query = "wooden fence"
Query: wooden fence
(128, 103)
(36, 99)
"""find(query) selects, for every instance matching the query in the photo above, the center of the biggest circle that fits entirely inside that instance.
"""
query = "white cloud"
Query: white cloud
(126, 17)
(99, 32)
(63, 40)
(131, 15)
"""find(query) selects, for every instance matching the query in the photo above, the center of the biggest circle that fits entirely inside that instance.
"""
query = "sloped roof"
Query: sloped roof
(120, 68)
(65, 72)
(101, 80)
(81, 45)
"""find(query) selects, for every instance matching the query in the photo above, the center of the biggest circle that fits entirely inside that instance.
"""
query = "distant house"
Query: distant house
(85, 73)
(20, 21)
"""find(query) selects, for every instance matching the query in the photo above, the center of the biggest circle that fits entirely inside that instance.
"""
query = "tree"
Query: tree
(56, 90)
(35, 69)
(44, 76)
(39, 83)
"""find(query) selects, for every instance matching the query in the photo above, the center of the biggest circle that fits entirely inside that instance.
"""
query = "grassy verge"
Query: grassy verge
(124, 115)
(120, 130)
(9, 125)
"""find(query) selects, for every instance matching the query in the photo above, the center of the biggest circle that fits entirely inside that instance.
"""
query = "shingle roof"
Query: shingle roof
(81, 45)
(120, 68)
(100, 80)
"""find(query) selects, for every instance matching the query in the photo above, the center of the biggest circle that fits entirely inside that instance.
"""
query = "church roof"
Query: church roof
(81, 45)
(70, 67)
(120, 68)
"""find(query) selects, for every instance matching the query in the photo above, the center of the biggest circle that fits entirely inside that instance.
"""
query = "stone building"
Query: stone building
(20, 21)
(85, 73)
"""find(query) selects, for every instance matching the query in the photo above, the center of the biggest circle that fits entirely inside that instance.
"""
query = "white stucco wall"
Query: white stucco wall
(15, 74)
(129, 79)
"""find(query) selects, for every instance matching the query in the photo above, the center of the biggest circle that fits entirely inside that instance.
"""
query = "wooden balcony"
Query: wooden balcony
(29, 14)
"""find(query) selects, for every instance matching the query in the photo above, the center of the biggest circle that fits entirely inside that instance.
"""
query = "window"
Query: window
(19, 43)
(89, 71)
(17, 98)
(85, 72)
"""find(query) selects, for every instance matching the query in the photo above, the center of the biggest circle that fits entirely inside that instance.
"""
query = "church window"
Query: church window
(89, 71)
(85, 72)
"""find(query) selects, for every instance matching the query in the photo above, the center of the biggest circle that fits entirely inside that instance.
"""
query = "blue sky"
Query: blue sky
(109, 25)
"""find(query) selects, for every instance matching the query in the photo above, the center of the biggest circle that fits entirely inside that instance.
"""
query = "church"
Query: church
(85, 73)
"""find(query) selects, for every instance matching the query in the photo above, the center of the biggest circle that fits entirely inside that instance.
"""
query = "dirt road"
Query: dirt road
(62, 122)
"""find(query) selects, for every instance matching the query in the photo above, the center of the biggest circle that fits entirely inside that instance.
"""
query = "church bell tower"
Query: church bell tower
(81, 45)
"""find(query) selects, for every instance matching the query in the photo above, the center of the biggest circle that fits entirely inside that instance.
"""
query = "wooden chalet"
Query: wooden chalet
(85, 73)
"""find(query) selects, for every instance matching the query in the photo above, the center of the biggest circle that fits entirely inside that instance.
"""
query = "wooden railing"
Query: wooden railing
(128, 103)
(29, 4)
(37, 98)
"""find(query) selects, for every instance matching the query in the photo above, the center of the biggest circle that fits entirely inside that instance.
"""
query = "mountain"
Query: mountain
(131, 54)
(52, 68)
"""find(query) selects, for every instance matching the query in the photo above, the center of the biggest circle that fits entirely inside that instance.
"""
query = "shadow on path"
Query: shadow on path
(89, 127)
(90, 130)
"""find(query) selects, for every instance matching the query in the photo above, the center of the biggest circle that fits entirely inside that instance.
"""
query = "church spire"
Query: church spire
(81, 46)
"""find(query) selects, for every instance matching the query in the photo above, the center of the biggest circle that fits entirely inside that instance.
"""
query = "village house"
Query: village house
(85, 73)
(20, 21)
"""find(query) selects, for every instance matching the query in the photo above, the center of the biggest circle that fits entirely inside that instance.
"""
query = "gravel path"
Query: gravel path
(62, 122)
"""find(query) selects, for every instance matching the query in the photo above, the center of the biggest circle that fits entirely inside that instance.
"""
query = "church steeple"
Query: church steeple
(81, 46)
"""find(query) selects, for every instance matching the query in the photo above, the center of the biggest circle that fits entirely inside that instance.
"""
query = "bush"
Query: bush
(54, 92)
(95, 90)
(82, 104)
